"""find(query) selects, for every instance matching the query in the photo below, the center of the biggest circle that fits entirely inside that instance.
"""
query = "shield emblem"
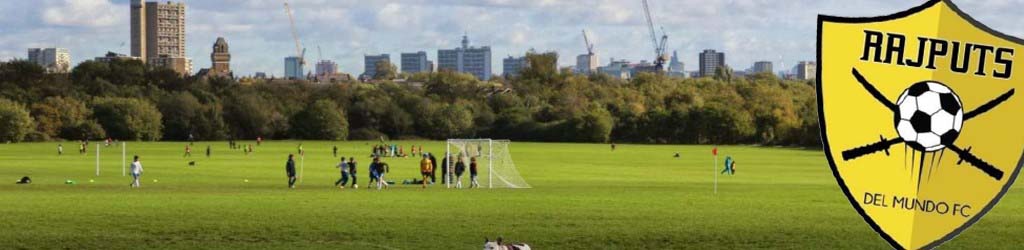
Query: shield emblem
(919, 119)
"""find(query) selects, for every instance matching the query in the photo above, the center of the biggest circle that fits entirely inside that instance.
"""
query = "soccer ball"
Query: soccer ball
(930, 116)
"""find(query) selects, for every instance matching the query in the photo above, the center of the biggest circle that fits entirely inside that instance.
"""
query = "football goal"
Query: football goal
(494, 163)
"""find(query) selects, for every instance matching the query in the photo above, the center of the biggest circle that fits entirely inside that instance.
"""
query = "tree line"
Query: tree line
(128, 100)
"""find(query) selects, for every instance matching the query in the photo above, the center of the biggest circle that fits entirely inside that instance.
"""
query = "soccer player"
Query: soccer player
(289, 169)
(425, 169)
(60, 149)
(344, 173)
(136, 171)
(460, 168)
(352, 171)
(188, 151)
(446, 177)
(259, 140)
(433, 166)
(381, 168)
(208, 151)
(613, 146)
(335, 150)
(473, 173)
(373, 172)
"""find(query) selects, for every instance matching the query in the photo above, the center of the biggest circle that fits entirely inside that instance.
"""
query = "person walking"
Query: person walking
(344, 174)
(335, 150)
(289, 169)
(60, 149)
(188, 151)
(208, 151)
(446, 177)
(425, 169)
(136, 171)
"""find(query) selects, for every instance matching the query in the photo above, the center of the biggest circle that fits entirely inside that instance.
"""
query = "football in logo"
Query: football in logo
(918, 114)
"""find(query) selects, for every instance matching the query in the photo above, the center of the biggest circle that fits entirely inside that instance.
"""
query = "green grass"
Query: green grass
(584, 197)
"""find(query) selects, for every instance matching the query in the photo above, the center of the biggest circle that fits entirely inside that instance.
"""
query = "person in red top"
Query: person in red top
(188, 151)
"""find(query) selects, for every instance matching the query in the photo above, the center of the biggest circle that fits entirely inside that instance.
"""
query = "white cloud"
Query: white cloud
(86, 13)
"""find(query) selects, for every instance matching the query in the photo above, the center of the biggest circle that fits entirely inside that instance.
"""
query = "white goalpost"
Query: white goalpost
(124, 159)
(494, 163)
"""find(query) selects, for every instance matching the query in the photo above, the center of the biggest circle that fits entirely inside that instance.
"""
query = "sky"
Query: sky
(259, 37)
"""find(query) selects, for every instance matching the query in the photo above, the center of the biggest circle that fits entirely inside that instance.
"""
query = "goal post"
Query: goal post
(494, 163)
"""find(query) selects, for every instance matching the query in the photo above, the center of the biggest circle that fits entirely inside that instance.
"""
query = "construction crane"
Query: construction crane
(299, 51)
(660, 57)
(590, 46)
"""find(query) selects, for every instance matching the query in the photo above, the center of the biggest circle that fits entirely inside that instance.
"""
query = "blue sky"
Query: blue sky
(258, 30)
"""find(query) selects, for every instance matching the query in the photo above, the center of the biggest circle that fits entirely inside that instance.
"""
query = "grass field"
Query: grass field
(584, 197)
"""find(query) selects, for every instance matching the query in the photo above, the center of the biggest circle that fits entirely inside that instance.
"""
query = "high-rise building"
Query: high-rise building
(710, 61)
(54, 60)
(293, 68)
(370, 64)
(158, 31)
(416, 62)
(512, 66)
(676, 66)
(472, 60)
(762, 66)
(220, 59)
(587, 63)
(806, 70)
(327, 71)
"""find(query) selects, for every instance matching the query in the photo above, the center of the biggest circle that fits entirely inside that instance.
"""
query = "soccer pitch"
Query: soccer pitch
(584, 196)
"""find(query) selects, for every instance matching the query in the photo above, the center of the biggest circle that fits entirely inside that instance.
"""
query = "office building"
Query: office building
(512, 66)
(466, 59)
(181, 65)
(111, 56)
(621, 69)
(762, 66)
(676, 66)
(54, 60)
(710, 61)
(806, 70)
(293, 68)
(416, 62)
(158, 32)
(587, 63)
(370, 64)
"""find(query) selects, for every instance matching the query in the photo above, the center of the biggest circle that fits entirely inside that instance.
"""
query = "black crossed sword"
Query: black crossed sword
(884, 144)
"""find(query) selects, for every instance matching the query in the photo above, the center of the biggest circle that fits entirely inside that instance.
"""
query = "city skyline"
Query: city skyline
(347, 30)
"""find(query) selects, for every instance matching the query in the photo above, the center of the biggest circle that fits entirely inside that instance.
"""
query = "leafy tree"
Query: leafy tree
(321, 120)
(54, 115)
(128, 118)
(385, 71)
(15, 121)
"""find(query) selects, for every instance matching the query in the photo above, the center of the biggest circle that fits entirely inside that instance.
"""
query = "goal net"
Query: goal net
(494, 163)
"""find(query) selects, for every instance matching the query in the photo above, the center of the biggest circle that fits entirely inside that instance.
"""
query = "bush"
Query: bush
(128, 118)
(15, 121)
(89, 129)
(365, 134)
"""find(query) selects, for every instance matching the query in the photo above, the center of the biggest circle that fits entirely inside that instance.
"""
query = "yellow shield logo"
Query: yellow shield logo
(919, 119)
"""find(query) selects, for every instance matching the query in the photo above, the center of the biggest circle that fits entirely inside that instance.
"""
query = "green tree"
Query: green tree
(449, 121)
(15, 121)
(128, 118)
(321, 120)
(184, 115)
(385, 71)
(55, 114)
